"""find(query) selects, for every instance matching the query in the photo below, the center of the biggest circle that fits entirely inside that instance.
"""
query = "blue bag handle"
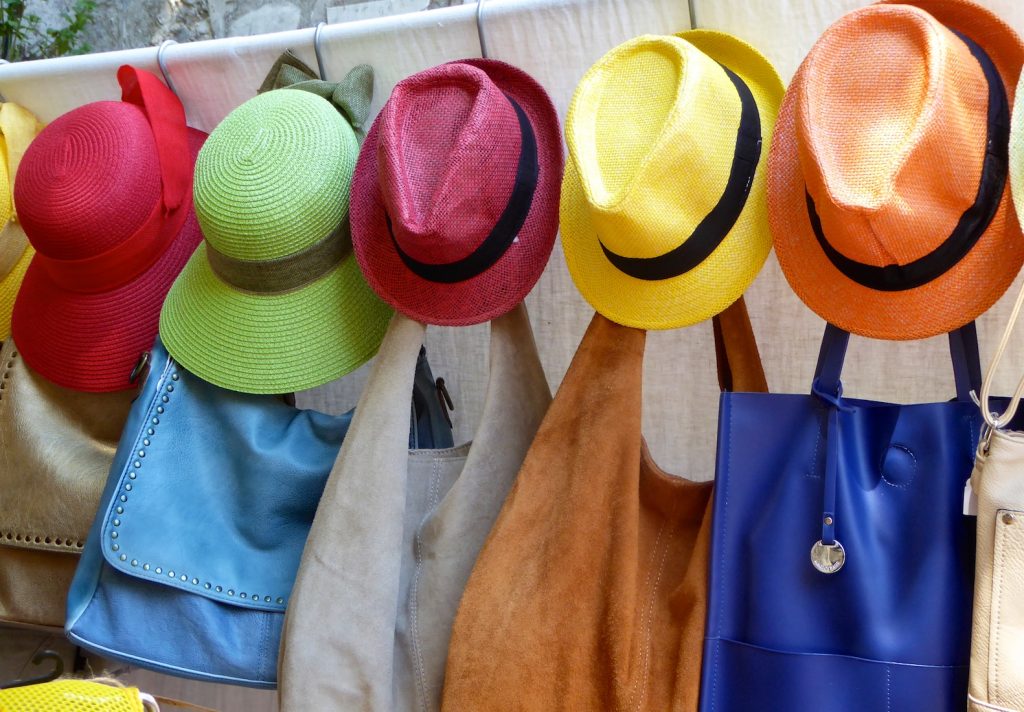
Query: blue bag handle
(963, 349)
(827, 554)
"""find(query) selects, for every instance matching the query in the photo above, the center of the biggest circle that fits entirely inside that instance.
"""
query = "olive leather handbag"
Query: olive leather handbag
(56, 446)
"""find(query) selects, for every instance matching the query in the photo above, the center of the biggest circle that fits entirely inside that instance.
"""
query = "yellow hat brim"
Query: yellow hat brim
(709, 288)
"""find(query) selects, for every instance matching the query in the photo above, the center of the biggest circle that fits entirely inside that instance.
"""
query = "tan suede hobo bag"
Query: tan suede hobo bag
(590, 592)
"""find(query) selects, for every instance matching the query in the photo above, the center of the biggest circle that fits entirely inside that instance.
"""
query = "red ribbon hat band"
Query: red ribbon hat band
(127, 260)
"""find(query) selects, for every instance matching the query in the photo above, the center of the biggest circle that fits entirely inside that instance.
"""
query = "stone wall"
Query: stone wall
(121, 24)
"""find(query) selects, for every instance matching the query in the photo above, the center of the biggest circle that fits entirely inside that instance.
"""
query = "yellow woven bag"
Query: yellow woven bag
(72, 696)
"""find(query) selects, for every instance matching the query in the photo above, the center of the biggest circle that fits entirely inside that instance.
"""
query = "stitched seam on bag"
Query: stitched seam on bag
(813, 474)
(724, 491)
(997, 586)
(644, 686)
(888, 688)
(881, 467)
(414, 630)
(638, 679)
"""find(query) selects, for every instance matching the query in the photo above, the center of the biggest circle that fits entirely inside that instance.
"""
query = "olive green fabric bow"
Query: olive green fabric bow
(351, 96)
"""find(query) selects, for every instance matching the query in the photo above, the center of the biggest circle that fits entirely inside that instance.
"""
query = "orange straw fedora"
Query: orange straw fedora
(887, 194)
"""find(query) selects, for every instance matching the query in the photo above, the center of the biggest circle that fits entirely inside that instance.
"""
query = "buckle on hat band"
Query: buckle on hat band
(124, 262)
(284, 274)
(972, 224)
(505, 230)
(708, 235)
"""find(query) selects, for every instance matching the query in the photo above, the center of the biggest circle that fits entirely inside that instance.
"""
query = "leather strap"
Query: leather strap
(963, 348)
(827, 386)
(993, 420)
(736, 354)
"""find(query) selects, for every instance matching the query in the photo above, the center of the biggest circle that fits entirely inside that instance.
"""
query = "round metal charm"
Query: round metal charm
(828, 559)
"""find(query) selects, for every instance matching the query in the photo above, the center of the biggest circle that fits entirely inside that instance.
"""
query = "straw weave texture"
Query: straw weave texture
(441, 160)
(91, 342)
(272, 180)
(885, 126)
(70, 696)
(652, 134)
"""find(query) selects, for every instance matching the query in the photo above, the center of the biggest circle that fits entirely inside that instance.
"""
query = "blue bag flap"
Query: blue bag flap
(220, 490)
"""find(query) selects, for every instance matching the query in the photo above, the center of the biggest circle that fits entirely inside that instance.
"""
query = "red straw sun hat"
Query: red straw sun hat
(455, 195)
(887, 194)
(105, 197)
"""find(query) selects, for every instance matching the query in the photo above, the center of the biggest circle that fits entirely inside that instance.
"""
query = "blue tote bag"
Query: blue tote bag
(193, 553)
(842, 565)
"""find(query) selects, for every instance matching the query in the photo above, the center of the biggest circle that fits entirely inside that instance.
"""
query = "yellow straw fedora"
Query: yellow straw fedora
(663, 211)
(18, 127)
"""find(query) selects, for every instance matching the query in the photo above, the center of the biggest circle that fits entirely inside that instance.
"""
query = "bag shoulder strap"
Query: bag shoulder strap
(994, 420)
(736, 353)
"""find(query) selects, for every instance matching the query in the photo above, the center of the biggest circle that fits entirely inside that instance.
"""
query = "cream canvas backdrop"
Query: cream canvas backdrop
(554, 40)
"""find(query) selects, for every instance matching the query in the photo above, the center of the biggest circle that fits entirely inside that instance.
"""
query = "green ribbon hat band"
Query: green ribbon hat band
(285, 273)
(351, 96)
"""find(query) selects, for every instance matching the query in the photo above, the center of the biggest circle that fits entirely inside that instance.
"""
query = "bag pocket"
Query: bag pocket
(1006, 629)
(777, 681)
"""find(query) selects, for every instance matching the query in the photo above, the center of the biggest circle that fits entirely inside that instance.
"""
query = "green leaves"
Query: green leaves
(22, 36)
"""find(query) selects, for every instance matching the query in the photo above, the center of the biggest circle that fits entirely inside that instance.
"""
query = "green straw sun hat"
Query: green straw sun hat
(273, 301)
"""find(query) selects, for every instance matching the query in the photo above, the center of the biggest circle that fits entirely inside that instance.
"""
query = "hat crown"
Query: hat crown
(650, 109)
(448, 151)
(891, 122)
(274, 177)
(88, 181)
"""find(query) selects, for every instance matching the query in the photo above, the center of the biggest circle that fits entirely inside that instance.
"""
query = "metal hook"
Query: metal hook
(58, 670)
(316, 49)
(480, 28)
(161, 62)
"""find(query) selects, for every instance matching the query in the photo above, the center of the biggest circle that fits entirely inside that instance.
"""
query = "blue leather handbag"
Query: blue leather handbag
(192, 556)
(842, 566)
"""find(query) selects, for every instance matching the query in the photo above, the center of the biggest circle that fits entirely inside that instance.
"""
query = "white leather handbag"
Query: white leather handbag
(997, 650)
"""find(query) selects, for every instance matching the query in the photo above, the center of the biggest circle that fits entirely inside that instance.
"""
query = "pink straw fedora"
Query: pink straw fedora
(455, 195)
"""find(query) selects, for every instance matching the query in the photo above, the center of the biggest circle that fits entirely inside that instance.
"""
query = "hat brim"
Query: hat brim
(272, 343)
(506, 283)
(717, 282)
(91, 342)
(946, 303)
(9, 287)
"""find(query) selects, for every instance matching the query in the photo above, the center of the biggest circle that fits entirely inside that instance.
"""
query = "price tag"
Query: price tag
(970, 501)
